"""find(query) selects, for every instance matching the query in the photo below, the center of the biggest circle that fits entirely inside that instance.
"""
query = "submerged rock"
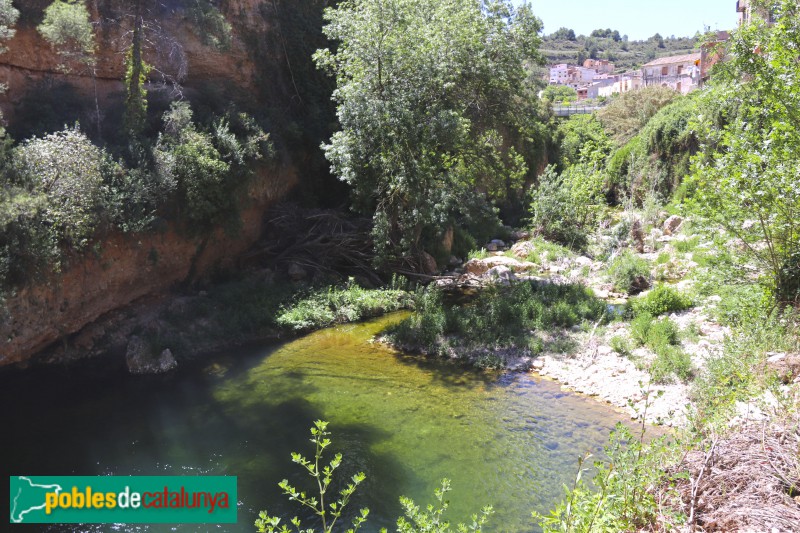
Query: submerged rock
(140, 359)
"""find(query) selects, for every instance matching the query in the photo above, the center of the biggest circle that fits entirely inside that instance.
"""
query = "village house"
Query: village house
(746, 10)
(681, 73)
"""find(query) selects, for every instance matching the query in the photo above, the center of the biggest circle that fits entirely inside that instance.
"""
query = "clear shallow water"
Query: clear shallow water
(506, 440)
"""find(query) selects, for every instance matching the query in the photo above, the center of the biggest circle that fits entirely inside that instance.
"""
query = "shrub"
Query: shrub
(499, 317)
(68, 169)
(626, 271)
(662, 299)
(621, 345)
(671, 361)
(620, 496)
(340, 304)
(430, 519)
(627, 114)
(564, 206)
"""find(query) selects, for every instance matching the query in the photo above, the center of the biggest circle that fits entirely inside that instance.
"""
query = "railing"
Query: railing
(577, 109)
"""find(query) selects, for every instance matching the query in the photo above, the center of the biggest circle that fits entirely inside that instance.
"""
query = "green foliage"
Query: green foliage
(211, 25)
(431, 519)
(738, 373)
(564, 46)
(8, 18)
(620, 345)
(340, 304)
(498, 318)
(68, 170)
(661, 299)
(626, 269)
(748, 180)
(207, 168)
(628, 113)
(671, 361)
(663, 338)
(565, 206)
(136, 71)
(322, 475)
(622, 496)
(67, 27)
(437, 113)
(583, 140)
(559, 94)
(416, 520)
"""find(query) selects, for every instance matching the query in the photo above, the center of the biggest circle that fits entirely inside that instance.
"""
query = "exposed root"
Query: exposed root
(319, 240)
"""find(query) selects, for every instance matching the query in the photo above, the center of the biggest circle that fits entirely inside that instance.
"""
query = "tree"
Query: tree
(749, 181)
(558, 94)
(435, 107)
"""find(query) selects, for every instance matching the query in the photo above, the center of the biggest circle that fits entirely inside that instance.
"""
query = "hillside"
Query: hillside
(563, 46)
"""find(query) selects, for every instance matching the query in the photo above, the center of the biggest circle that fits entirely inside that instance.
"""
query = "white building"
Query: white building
(681, 73)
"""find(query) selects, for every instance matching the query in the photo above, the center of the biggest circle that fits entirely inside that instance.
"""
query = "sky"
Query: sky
(639, 19)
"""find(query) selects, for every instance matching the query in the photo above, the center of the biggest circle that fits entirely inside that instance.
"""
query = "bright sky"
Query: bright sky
(639, 19)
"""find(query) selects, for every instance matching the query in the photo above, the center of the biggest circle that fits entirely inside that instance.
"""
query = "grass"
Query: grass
(661, 335)
(499, 318)
(626, 269)
(335, 305)
(662, 299)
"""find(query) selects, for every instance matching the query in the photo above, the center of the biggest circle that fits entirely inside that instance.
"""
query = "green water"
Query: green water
(506, 440)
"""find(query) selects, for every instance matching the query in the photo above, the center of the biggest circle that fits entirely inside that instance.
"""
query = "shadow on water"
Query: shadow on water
(506, 440)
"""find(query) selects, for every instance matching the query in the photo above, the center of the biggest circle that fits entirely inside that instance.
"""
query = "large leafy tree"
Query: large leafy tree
(750, 181)
(436, 109)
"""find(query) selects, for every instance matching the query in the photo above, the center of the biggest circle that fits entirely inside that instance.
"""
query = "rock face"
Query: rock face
(140, 359)
(786, 366)
(176, 45)
(125, 269)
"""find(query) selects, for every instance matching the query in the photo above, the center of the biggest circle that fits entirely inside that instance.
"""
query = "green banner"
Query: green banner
(122, 499)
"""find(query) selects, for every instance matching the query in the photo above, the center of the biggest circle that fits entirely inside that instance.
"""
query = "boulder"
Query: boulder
(497, 242)
(140, 359)
(454, 261)
(639, 284)
(520, 235)
(502, 274)
(523, 249)
(672, 224)
(491, 247)
(478, 267)
(297, 273)
(786, 366)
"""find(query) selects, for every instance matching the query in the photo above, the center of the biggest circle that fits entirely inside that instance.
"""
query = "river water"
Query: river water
(511, 441)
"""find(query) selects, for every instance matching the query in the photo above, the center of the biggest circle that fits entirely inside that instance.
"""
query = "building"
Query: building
(601, 66)
(746, 10)
(681, 73)
(711, 53)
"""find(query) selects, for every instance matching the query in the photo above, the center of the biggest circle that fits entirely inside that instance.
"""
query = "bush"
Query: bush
(662, 299)
(338, 305)
(564, 206)
(626, 271)
(68, 169)
(627, 114)
(671, 361)
(498, 318)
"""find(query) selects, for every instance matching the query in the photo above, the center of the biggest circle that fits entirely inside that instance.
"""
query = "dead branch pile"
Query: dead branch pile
(748, 481)
(317, 240)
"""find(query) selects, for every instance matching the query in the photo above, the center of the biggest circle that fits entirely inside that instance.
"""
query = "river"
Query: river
(509, 440)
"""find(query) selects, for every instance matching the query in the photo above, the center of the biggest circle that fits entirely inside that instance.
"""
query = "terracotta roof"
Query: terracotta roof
(687, 58)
